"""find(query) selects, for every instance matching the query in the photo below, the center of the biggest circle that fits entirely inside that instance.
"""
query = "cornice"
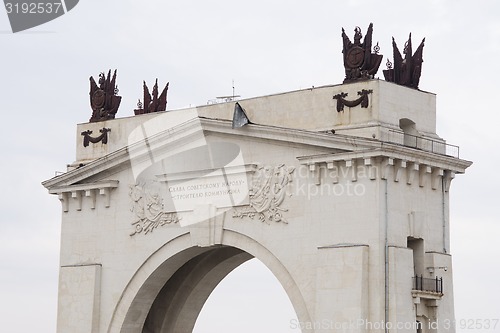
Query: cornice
(395, 152)
(390, 160)
(345, 148)
(90, 191)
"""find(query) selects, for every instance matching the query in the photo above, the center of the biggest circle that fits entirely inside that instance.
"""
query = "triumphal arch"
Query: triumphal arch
(342, 191)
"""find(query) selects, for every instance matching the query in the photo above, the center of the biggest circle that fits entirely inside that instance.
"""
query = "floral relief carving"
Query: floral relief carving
(147, 204)
(269, 189)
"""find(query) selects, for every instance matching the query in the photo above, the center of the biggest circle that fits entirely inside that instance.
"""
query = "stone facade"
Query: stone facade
(344, 207)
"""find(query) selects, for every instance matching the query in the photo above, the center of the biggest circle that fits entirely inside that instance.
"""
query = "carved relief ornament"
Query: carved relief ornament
(269, 190)
(363, 100)
(147, 204)
(103, 137)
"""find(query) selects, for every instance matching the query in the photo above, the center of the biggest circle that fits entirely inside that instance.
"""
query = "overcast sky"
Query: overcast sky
(266, 47)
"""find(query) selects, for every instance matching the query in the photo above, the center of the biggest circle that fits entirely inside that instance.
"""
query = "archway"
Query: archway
(249, 299)
(177, 305)
(168, 291)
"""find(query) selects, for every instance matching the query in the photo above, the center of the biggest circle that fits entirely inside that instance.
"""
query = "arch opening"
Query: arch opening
(168, 292)
(249, 299)
(180, 300)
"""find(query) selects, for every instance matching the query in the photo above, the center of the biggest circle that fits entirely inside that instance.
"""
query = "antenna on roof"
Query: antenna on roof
(225, 99)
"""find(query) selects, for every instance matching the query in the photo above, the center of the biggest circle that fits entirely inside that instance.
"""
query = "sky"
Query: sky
(266, 47)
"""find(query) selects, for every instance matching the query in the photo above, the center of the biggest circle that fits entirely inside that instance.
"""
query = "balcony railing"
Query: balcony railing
(418, 142)
(430, 285)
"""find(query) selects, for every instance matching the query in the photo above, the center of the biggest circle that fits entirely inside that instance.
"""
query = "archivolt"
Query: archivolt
(168, 291)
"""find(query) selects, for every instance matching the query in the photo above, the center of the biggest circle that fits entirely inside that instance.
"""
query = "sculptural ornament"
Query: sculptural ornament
(359, 61)
(147, 204)
(269, 190)
(103, 98)
(407, 71)
(152, 102)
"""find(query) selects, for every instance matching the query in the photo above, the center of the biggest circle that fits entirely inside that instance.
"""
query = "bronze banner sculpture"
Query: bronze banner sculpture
(153, 103)
(103, 98)
(359, 62)
(407, 71)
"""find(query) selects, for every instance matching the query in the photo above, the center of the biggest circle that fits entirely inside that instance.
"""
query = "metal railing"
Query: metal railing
(426, 284)
(418, 142)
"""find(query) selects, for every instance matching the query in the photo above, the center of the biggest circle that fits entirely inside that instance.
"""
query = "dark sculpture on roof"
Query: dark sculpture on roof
(359, 61)
(103, 97)
(407, 71)
(155, 103)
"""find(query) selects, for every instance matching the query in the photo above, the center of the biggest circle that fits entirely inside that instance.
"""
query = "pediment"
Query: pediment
(193, 135)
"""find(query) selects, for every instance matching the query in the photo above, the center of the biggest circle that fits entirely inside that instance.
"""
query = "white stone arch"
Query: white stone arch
(201, 268)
